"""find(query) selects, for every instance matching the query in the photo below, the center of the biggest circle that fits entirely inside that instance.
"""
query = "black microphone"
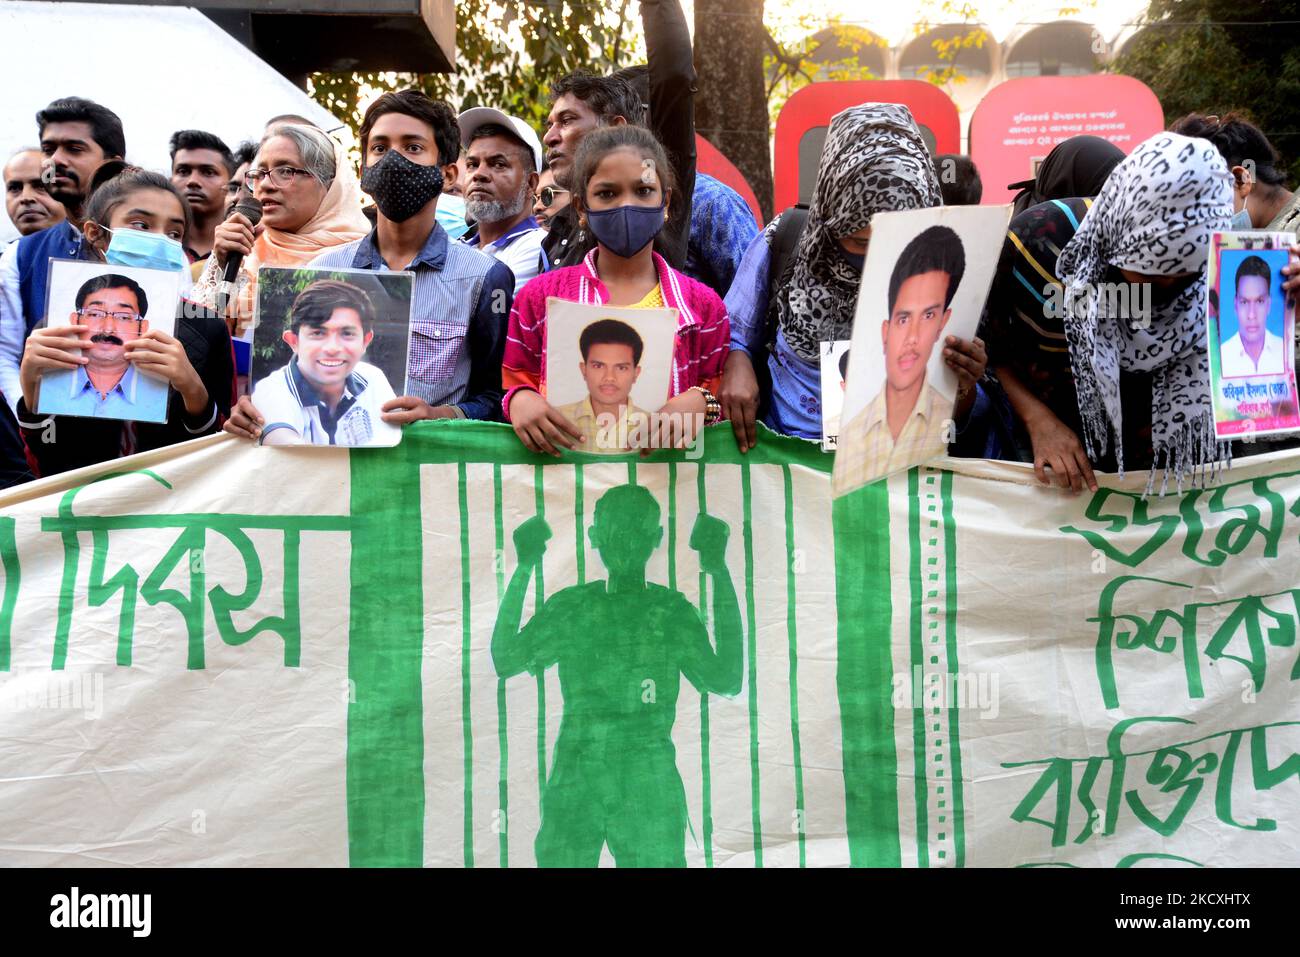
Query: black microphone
(250, 209)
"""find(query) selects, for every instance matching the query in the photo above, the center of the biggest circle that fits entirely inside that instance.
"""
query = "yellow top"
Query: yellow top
(654, 299)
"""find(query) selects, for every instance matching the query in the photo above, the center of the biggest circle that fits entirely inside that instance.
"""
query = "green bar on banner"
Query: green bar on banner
(863, 677)
(385, 756)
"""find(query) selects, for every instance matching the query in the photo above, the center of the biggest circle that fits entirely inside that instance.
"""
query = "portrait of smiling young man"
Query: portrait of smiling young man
(326, 394)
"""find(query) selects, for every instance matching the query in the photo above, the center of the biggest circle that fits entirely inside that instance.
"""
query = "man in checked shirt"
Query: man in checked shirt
(461, 301)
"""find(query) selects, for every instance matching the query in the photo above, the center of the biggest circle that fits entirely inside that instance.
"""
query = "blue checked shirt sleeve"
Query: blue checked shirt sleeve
(746, 300)
(486, 341)
(722, 228)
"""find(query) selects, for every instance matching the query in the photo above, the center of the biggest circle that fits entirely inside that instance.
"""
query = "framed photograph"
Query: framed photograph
(329, 349)
(1250, 335)
(926, 277)
(116, 304)
(834, 376)
(608, 369)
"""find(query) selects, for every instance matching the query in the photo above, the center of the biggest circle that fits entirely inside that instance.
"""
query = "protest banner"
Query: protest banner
(431, 654)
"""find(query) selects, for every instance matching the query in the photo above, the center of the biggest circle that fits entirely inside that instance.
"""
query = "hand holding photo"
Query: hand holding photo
(611, 364)
(607, 371)
(110, 308)
(915, 359)
(327, 347)
(1250, 328)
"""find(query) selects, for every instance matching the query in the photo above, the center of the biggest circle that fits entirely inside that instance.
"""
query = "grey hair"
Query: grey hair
(314, 146)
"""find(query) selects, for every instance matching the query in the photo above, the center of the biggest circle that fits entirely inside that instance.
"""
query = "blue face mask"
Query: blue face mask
(135, 247)
(1241, 220)
(626, 230)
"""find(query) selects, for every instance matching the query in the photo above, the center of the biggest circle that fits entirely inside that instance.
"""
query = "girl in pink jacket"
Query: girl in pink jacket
(622, 187)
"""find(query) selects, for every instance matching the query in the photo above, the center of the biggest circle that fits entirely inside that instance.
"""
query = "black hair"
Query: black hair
(315, 304)
(105, 125)
(959, 180)
(606, 332)
(107, 171)
(439, 116)
(201, 140)
(1254, 266)
(244, 154)
(599, 143)
(108, 196)
(638, 77)
(936, 249)
(1238, 141)
(496, 129)
(607, 96)
(844, 365)
(112, 280)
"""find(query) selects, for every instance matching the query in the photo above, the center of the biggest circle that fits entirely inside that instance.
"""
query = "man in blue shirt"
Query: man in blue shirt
(461, 297)
(722, 228)
(74, 393)
(77, 138)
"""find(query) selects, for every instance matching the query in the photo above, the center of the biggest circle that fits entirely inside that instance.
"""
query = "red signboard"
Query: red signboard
(1018, 122)
(801, 127)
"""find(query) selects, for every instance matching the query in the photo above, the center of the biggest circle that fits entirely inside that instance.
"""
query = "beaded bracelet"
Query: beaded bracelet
(712, 407)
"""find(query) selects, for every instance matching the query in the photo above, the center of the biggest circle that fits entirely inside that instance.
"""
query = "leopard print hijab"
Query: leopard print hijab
(1154, 215)
(874, 160)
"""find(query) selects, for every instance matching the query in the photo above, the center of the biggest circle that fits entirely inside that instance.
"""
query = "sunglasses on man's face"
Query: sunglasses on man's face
(549, 194)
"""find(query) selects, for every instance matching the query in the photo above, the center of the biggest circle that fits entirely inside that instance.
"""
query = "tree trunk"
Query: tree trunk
(731, 105)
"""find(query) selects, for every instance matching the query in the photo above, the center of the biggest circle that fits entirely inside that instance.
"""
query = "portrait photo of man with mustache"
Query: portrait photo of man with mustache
(111, 310)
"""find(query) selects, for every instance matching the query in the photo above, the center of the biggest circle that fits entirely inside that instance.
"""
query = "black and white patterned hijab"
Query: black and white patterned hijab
(874, 160)
(1154, 216)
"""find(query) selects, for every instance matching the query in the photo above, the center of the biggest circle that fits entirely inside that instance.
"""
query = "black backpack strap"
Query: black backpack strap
(784, 241)
(781, 265)
(780, 268)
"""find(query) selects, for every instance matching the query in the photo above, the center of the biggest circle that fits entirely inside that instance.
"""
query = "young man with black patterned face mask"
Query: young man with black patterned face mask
(462, 297)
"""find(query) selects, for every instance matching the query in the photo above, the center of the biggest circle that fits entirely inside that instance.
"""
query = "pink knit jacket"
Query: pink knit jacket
(699, 349)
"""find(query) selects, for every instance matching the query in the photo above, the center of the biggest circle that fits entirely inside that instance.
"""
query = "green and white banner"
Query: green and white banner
(453, 652)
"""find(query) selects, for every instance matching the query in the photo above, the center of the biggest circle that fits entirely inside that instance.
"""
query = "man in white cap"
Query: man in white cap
(503, 158)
